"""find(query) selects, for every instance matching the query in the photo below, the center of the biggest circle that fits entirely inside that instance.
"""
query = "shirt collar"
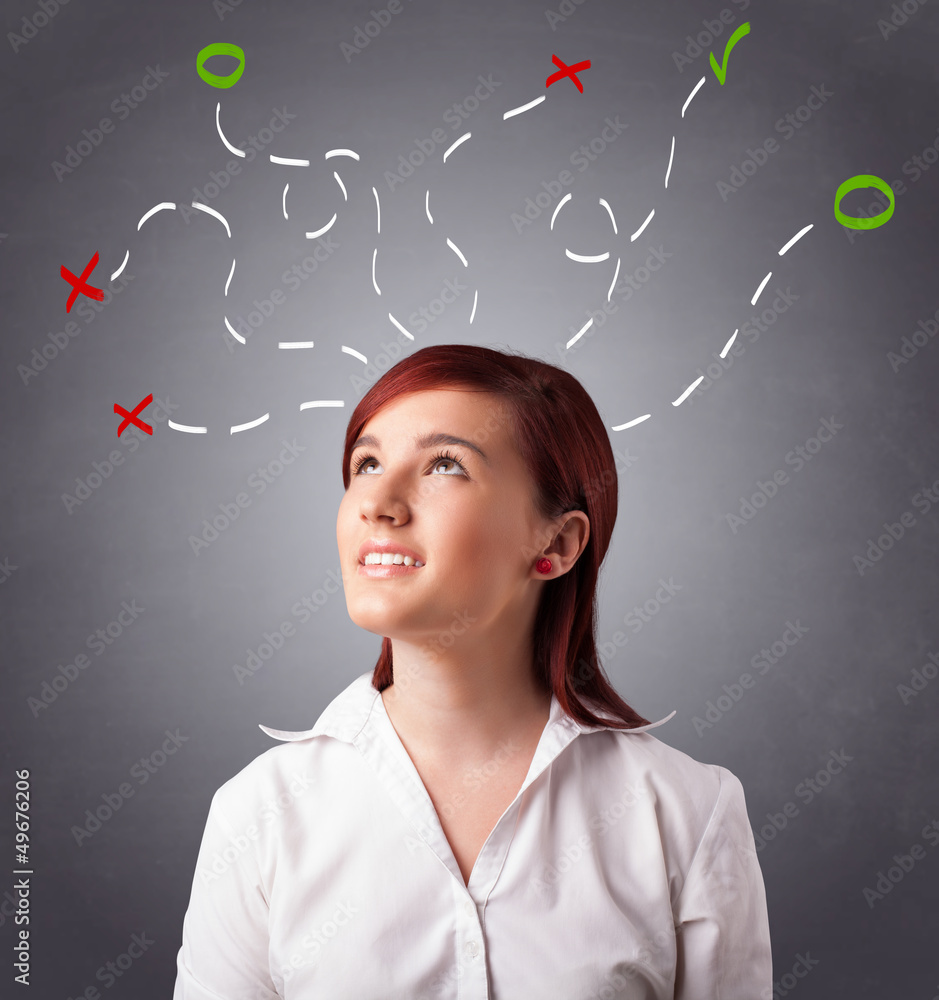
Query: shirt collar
(345, 716)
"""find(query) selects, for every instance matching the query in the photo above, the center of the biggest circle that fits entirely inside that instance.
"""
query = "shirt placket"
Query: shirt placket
(468, 978)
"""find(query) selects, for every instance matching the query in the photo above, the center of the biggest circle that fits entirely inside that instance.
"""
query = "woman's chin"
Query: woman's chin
(379, 621)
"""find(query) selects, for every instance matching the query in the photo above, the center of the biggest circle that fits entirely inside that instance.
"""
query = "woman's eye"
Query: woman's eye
(457, 466)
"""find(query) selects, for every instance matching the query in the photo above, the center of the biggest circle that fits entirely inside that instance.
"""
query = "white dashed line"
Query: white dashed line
(456, 250)
(234, 332)
(322, 402)
(561, 203)
(632, 423)
(524, 107)
(400, 327)
(251, 423)
(615, 276)
(234, 149)
(211, 211)
(326, 228)
(756, 294)
(638, 232)
(698, 86)
(580, 258)
(123, 265)
(606, 205)
(798, 236)
(163, 206)
(462, 138)
(580, 332)
(355, 354)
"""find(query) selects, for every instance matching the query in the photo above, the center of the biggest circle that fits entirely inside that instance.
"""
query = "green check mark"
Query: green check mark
(721, 71)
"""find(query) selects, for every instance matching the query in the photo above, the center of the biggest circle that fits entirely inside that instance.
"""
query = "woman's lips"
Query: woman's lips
(379, 572)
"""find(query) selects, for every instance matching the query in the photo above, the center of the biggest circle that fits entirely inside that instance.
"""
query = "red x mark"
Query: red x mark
(79, 284)
(566, 70)
(133, 416)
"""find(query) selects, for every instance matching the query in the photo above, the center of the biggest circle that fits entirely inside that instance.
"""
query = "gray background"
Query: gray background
(859, 294)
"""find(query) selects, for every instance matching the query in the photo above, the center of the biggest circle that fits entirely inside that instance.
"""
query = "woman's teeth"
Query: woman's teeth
(390, 559)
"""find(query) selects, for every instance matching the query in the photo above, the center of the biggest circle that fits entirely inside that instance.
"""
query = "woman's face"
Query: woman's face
(470, 519)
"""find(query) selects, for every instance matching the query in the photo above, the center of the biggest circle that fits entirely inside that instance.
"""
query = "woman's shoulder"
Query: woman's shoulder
(671, 761)
(306, 758)
(280, 773)
(689, 788)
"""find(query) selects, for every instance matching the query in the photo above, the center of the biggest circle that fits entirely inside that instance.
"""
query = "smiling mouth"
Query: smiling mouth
(390, 559)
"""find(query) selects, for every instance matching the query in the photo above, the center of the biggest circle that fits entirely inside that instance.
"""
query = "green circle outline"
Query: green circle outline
(220, 49)
(864, 181)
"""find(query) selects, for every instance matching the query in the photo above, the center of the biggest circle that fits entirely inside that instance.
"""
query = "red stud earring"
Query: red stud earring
(543, 565)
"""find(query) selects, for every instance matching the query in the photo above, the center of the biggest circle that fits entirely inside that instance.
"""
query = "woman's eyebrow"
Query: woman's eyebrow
(425, 441)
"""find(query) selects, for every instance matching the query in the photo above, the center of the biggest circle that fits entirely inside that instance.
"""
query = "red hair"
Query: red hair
(563, 442)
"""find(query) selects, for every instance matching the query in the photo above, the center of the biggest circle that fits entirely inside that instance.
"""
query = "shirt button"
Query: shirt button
(472, 949)
(470, 908)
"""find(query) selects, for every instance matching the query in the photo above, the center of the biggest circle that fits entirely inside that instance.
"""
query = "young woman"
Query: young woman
(480, 816)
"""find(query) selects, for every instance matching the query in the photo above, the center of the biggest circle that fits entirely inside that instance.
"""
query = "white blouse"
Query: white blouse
(623, 868)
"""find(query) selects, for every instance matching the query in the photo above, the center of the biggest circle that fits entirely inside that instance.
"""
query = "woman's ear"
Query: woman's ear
(570, 540)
